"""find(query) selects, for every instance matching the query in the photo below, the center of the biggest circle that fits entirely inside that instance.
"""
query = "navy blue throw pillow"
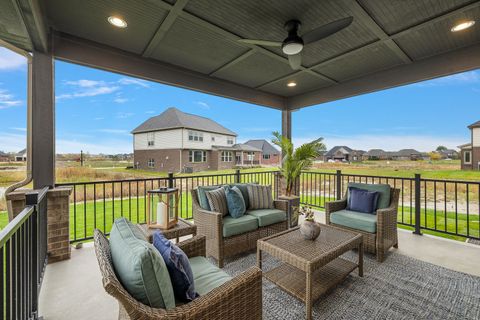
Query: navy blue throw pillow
(362, 200)
(178, 267)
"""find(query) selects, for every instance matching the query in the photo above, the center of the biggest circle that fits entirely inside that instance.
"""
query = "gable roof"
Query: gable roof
(263, 145)
(172, 118)
(406, 153)
(332, 151)
(21, 153)
(474, 125)
(376, 152)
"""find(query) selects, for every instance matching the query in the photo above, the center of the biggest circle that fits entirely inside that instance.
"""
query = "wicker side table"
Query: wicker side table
(183, 228)
(310, 268)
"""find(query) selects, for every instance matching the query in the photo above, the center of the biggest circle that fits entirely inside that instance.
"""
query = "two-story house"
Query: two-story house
(175, 141)
(470, 152)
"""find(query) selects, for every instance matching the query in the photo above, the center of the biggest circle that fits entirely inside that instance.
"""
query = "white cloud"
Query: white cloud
(98, 118)
(10, 60)
(204, 105)
(7, 100)
(131, 81)
(113, 146)
(469, 77)
(87, 88)
(12, 142)
(124, 115)
(114, 131)
(150, 112)
(83, 83)
(423, 143)
(120, 100)
(19, 129)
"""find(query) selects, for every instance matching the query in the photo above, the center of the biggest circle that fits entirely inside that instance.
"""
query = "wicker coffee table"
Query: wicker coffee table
(183, 228)
(310, 268)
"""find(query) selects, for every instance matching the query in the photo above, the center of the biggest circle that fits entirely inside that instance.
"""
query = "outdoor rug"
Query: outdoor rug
(399, 288)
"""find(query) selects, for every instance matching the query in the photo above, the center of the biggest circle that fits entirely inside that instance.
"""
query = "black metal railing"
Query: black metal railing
(445, 206)
(23, 254)
(96, 204)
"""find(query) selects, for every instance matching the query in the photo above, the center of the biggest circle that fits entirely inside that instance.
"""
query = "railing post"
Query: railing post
(237, 176)
(417, 203)
(339, 184)
(170, 179)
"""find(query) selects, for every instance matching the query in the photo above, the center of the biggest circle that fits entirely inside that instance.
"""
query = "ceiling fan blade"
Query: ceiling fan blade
(326, 30)
(295, 61)
(265, 43)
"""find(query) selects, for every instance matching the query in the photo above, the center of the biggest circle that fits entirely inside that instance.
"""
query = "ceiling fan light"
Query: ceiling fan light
(462, 26)
(117, 22)
(292, 48)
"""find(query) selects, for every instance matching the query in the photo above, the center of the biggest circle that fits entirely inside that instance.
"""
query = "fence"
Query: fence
(446, 206)
(97, 204)
(23, 254)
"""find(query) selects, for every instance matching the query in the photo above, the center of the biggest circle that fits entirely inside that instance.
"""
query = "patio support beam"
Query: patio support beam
(287, 123)
(462, 60)
(91, 54)
(32, 18)
(43, 120)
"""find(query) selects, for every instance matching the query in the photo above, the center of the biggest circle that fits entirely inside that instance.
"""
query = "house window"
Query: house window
(197, 156)
(227, 156)
(467, 157)
(250, 155)
(195, 136)
(266, 157)
(151, 163)
(213, 139)
(229, 140)
(151, 139)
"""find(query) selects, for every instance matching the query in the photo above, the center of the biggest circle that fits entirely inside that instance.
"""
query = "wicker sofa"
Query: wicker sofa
(210, 224)
(384, 237)
(241, 296)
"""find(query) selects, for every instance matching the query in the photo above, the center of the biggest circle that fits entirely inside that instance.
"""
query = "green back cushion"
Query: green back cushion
(140, 267)
(202, 196)
(382, 189)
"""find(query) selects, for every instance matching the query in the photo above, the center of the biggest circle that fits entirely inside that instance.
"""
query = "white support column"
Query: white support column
(43, 120)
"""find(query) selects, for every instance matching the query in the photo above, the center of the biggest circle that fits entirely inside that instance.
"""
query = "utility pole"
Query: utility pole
(81, 158)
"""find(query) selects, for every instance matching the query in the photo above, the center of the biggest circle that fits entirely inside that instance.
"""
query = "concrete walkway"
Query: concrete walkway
(73, 289)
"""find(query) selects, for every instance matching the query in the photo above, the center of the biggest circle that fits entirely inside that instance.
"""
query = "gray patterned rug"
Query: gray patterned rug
(400, 288)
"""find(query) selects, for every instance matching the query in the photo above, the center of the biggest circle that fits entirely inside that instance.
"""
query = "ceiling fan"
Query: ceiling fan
(293, 44)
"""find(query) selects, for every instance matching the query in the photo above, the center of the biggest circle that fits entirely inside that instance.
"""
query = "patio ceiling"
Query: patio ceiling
(193, 44)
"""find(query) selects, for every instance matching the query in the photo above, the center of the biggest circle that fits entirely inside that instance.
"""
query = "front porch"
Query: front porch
(73, 288)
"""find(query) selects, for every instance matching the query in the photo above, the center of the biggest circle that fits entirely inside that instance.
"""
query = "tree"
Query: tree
(441, 148)
(296, 160)
(435, 156)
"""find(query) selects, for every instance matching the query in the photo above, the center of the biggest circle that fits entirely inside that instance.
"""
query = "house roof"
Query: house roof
(264, 145)
(465, 146)
(474, 125)
(405, 152)
(172, 118)
(342, 149)
(3, 154)
(238, 147)
(21, 153)
(376, 152)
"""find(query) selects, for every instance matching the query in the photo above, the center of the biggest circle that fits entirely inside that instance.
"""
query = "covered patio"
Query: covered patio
(195, 45)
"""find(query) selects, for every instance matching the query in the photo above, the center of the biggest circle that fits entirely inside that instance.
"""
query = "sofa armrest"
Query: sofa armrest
(280, 204)
(333, 206)
(193, 247)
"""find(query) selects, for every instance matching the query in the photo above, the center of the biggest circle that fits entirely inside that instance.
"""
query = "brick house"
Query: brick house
(344, 154)
(470, 152)
(270, 155)
(175, 141)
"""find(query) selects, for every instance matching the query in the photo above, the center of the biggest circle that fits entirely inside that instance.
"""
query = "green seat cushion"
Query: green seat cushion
(140, 267)
(267, 217)
(206, 276)
(382, 189)
(202, 196)
(233, 226)
(355, 220)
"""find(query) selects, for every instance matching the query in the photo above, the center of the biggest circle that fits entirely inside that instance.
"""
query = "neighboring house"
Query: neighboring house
(406, 154)
(21, 155)
(470, 152)
(377, 154)
(4, 157)
(175, 141)
(339, 153)
(270, 155)
(449, 154)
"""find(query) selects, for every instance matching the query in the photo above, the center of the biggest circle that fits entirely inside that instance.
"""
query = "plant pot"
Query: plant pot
(293, 206)
(310, 230)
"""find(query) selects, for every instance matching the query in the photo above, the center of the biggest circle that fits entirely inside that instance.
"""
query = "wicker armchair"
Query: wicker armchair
(209, 223)
(386, 236)
(239, 298)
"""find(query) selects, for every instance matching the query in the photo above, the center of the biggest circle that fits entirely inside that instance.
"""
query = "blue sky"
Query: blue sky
(96, 110)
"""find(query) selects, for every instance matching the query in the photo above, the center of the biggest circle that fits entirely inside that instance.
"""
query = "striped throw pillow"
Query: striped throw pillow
(217, 200)
(260, 197)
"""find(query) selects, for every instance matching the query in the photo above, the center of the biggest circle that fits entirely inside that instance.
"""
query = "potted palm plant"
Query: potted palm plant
(294, 161)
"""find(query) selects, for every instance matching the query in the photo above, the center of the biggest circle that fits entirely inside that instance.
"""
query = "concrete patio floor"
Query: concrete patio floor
(73, 289)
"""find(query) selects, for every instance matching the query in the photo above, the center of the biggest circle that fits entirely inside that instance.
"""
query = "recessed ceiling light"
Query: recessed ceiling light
(462, 26)
(117, 22)
(291, 84)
